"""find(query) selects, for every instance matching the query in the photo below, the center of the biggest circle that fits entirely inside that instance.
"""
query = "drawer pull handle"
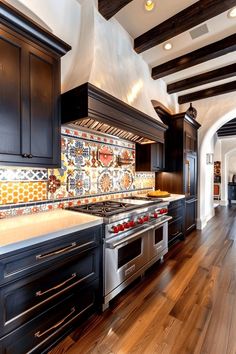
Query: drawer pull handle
(62, 250)
(176, 233)
(58, 324)
(41, 293)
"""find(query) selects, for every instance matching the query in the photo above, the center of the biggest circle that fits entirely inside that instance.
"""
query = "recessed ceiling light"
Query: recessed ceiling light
(149, 5)
(168, 46)
(232, 12)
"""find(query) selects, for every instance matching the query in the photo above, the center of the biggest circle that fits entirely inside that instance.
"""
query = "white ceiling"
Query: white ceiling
(136, 20)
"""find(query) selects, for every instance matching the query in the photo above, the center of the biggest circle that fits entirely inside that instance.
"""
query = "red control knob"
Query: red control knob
(162, 211)
(115, 229)
(126, 225)
(131, 223)
(140, 220)
(145, 218)
(155, 215)
(121, 227)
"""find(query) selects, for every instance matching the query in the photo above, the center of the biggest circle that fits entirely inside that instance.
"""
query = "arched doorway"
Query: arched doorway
(205, 181)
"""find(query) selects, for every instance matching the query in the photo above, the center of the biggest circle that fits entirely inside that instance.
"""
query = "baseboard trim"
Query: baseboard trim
(201, 224)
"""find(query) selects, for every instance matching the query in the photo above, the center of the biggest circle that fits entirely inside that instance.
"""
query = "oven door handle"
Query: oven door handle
(115, 244)
(167, 218)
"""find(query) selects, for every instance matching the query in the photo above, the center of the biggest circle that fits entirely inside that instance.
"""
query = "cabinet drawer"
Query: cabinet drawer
(33, 259)
(176, 204)
(34, 336)
(176, 212)
(26, 298)
(175, 229)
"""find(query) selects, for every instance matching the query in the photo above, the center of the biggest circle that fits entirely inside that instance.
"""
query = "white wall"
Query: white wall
(217, 150)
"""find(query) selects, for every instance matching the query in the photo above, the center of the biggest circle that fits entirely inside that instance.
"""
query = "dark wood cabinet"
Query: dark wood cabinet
(150, 157)
(176, 209)
(231, 192)
(181, 163)
(46, 289)
(30, 91)
(190, 214)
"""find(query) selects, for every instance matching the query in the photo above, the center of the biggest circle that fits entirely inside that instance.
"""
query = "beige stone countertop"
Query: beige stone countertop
(27, 230)
(171, 198)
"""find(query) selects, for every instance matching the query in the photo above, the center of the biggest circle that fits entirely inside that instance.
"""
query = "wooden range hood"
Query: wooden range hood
(90, 107)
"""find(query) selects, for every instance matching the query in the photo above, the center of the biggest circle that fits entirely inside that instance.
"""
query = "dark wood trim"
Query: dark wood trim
(210, 92)
(109, 8)
(211, 51)
(187, 118)
(13, 18)
(211, 76)
(89, 101)
(184, 20)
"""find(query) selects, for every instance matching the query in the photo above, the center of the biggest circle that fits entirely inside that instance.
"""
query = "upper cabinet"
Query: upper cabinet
(30, 91)
(150, 157)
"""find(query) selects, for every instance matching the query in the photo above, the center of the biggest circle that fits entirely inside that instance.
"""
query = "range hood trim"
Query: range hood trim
(88, 101)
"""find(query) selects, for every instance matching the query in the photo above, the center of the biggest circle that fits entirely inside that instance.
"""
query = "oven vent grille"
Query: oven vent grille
(104, 128)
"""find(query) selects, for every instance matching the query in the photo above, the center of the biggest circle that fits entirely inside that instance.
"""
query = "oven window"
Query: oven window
(129, 252)
(158, 235)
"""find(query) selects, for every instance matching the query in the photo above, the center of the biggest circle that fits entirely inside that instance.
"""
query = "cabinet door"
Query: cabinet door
(190, 215)
(150, 157)
(190, 180)
(11, 90)
(157, 157)
(190, 143)
(29, 103)
(43, 108)
(175, 229)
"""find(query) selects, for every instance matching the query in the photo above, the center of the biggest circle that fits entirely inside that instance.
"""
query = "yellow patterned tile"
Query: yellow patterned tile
(22, 192)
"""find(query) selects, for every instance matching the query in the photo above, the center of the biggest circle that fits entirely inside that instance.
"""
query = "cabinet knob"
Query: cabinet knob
(30, 156)
(24, 155)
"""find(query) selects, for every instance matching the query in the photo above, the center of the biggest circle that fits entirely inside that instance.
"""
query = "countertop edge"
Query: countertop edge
(47, 237)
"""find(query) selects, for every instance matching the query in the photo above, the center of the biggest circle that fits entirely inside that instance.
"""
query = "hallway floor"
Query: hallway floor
(185, 305)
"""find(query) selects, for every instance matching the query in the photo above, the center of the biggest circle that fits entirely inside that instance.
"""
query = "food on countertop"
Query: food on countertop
(158, 193)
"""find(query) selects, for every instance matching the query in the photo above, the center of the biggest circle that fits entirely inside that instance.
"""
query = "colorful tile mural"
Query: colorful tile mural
(94, 167)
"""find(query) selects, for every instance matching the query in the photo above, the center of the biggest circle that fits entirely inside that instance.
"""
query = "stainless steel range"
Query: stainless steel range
(136, 236)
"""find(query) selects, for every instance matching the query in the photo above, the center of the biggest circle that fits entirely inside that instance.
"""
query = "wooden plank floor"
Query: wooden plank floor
(186, 305)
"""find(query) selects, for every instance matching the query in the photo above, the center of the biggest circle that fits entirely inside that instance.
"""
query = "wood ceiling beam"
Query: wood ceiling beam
(201, 55)
(211, 76)
(226, 134)
(225, 130)
(184, 20)
(108, 8)
(210, 92)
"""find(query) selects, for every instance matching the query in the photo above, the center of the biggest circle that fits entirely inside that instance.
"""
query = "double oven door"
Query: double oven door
(126, 258)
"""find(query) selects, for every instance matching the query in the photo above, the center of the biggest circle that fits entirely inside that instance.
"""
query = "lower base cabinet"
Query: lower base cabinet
(190, 215)
(176, 209)
(38, 310)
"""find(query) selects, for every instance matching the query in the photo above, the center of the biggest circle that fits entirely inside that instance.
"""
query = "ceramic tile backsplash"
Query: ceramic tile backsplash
(93, 168)
(22, 192)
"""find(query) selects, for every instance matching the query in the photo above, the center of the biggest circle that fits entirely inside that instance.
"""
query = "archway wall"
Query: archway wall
(228, 148)
(212, 114)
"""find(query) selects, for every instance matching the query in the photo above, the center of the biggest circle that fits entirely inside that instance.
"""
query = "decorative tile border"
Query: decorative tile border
(10, 175)
(97, 137)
